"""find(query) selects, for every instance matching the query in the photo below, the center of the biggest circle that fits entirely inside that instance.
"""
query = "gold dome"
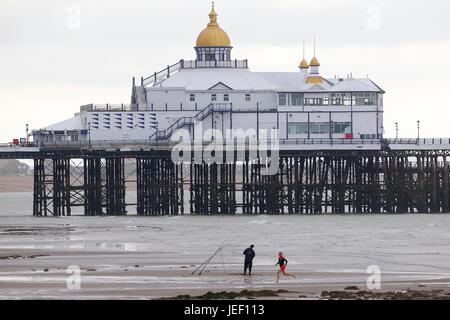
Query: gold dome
(213, 35)
(304, 64)
(314, 62)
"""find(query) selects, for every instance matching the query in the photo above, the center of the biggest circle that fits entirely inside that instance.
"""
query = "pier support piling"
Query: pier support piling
(313, 182)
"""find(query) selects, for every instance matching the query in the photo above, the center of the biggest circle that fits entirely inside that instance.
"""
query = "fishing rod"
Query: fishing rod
(207, 261)
(204, 262)
(212, 257)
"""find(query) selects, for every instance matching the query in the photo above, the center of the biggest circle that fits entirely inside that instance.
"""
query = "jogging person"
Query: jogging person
(249, 254)
(282, 262)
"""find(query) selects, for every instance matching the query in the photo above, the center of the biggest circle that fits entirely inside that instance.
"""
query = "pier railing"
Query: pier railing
(328, 141)
(108, 107)
(194, 64)
(164, 140)
(423, 141)
(180, 123)
(125, 143)
(158, 77)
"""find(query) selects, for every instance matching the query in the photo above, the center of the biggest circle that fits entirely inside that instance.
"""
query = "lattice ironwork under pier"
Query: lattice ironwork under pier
(160, 188)
(307, 182)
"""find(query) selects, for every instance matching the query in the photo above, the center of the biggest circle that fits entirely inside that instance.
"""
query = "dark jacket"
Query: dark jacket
(282, 261)
(249, 254)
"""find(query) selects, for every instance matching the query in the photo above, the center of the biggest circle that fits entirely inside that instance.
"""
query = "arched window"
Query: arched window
(214, 97)
(226, 97)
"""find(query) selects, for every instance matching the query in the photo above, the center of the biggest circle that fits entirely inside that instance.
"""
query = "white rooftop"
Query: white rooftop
(203, 79)
(74, 123)
(206, 78)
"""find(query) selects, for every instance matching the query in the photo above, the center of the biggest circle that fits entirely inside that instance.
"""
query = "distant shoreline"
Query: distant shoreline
(25, 184)
(16, 184)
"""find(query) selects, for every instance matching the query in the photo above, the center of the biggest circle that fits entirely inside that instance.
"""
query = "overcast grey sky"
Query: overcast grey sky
(56, 55)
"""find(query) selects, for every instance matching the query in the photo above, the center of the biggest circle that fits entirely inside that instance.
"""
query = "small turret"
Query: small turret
(314, 75)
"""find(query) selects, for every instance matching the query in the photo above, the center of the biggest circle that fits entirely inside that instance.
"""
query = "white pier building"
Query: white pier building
(216, 91)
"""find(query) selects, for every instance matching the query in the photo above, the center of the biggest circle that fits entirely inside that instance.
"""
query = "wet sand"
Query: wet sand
(153, 258)
(39, 274)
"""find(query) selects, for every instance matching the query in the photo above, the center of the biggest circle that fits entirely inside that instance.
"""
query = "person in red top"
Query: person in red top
(282, 262)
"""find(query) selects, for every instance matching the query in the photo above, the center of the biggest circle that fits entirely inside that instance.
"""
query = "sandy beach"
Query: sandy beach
(43, 278)
(153, 257)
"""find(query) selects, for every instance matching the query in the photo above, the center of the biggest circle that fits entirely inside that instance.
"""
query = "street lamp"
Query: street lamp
(26, 129)
(396, 130)
(331, 130)
(214, 130)
(418, 129)
(89, 133)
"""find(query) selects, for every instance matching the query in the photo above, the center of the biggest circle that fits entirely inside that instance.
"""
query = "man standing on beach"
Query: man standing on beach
(249, 254)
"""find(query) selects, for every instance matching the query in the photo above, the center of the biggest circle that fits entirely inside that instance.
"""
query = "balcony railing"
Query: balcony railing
(158, 77)
(108, 107)
(181, 122)
(194, 64)
(117, 144)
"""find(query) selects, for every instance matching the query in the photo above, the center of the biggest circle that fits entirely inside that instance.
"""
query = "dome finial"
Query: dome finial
(314, 75)
(314, 62)
(304, 64)
(213, 15)
(314, 46)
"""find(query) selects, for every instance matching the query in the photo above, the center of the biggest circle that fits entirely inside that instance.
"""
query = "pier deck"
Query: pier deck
(385, 177)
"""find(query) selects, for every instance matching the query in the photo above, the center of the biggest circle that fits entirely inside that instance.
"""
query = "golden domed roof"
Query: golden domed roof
(314, 62)
(304, 64)
(213, 35)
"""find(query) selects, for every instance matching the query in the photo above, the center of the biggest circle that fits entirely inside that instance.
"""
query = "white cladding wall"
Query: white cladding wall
(252, 109)
(161, 99)
(129, 125)
(363, 124)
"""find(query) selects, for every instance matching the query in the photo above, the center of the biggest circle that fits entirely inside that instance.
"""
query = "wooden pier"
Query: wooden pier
(307, 182)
